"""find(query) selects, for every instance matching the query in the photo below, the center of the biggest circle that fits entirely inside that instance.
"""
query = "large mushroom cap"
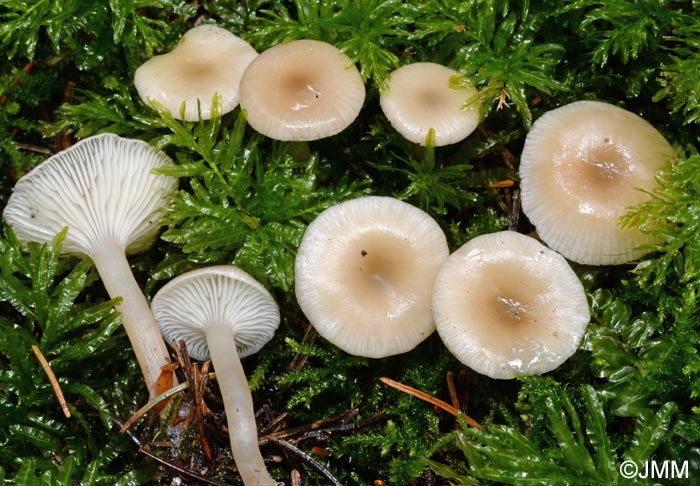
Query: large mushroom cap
(102, 188)
(207, 60)
(582, 165)
(364, 273)
(506, 306)
(302, 90)
(217, 295)
(418, 97)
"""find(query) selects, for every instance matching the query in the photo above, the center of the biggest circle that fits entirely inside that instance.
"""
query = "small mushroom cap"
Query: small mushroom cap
(207, 60)
(303, 90)
(418, 97)
(505, 305)
(102, 188)
(582, 165)
(217, 295)
(364, 273)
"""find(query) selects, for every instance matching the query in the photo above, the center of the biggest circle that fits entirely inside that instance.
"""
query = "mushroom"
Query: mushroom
(206, 61)
(582, 165)
(300, 91)
(103, 189)
(222, 313)
(505, 305)
(364, 273)
(418, 97)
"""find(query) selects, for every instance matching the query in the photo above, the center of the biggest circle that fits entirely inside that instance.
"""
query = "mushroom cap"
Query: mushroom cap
(102, 188)
(223, 294)
(418, 97)
(582, 165)
(207, 60)
(364, 273)
(505, 305)
(302, 90)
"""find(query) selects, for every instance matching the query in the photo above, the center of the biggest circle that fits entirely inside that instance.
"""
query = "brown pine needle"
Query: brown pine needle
(502, 184)
(452, 390)
(430, 399)
(52, 379)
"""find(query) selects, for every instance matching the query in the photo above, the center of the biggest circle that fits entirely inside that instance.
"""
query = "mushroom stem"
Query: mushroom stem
(238, 403)
(146, 340)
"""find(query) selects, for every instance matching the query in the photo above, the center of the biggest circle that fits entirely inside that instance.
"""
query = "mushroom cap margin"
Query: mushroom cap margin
(382, 315)
(222, 294)
(101, 188)
(582, 165)
(207, 60)
(418, 97)
(302, 90)
(506, 306)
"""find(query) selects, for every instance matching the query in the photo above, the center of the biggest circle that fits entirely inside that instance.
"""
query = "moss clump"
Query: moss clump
(632, 389)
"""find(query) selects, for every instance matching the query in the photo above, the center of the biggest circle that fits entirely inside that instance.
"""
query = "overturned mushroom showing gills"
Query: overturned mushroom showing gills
(300, 91)
(582, 165)
(206, 61)
(364, 274)
(103, 189)
(418, 97)
(505, 305)
(222, 313)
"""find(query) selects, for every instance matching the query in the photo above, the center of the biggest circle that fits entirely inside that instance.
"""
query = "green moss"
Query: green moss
(631, 390)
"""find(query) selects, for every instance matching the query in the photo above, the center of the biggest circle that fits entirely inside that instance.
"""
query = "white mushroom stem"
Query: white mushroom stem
(146, 340)
(238, 403)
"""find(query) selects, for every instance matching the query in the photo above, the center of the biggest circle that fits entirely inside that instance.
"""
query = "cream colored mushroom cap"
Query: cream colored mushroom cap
(222, 294)
(206, 61)
(582, 165)
(418, 97)
(302, 90)
(364, 274)
(506, 306)
(102, 188)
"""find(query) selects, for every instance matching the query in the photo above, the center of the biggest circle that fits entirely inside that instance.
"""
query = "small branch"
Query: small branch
(52, 379)
(308, 459)
(145, 450)
(430, 399)
(152, 403)
(452, 390)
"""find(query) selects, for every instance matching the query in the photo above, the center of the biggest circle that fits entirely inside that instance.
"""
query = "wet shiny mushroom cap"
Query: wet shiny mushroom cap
(418, 97)
(364, 274)
(302, 90)
(207, 60)
(506, 306)
(582, 166)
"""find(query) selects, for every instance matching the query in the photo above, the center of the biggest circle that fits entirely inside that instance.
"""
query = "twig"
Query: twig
(296, 478)
(52, 379)
(452, 390)
(33, 148)
(308, 459)
(514, 211)
(145, 450)
(300, 360)
(152, 403)
(430, 399)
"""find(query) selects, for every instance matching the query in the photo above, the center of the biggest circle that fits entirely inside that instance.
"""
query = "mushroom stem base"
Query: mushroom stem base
(238, 403)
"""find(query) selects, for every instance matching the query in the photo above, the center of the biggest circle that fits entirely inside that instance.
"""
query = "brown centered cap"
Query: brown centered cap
(418, 97)
(206, 61)
(302, 90)
(506, 306)
(364, 275)
(581, 167)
